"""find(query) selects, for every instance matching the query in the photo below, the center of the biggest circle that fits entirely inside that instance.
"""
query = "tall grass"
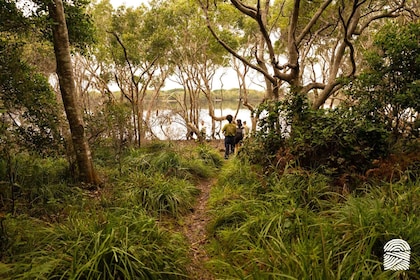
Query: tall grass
(163, 180)
(62, 231)
(189, 163)
(299, 229)
(161, 196)
(117, 244)
(39, 187)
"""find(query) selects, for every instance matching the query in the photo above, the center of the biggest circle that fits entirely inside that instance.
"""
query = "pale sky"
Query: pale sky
(131, 3)
(228, 75)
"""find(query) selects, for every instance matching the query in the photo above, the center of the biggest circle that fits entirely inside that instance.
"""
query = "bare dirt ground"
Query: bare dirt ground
(194, 228)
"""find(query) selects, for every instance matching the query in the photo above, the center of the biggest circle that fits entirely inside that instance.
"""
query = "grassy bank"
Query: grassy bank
(296, 225)
(55, 229)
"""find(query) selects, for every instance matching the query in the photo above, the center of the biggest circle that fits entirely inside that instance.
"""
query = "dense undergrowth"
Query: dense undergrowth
(52, 228)
(297, 226)
(294, 224)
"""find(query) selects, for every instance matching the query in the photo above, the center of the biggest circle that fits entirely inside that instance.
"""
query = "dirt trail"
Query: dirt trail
(194, 228)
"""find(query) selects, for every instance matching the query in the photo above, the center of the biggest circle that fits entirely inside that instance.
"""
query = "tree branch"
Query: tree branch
(312, 22)
(312, 86)
(232, 51)
(245, 9)
(396, 12)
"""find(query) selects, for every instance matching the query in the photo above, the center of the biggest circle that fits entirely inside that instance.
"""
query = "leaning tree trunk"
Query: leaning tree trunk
(64, 71)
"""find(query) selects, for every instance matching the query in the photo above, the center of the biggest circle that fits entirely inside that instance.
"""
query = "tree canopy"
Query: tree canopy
(305, 46)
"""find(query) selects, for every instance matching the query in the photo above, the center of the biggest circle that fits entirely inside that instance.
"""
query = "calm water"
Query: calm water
(166, 125)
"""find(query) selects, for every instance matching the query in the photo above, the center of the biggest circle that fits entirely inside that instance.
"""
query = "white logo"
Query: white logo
(397, 255)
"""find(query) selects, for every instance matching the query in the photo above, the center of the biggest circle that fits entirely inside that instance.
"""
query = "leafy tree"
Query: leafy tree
(388, 90)
(29, 103)
(131, 53)
(64, 70)
(28, 108)
(337, 142)
(196, 57)
(384, 99)
(47, 18)
(295, 40)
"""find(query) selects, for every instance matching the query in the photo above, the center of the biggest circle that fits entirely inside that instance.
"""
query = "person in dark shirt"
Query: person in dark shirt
(239, 135)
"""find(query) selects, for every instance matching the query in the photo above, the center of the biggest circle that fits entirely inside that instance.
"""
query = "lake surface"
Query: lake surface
(167, 125)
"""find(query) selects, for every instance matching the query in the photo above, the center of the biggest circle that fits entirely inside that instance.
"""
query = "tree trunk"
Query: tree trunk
(86, 171)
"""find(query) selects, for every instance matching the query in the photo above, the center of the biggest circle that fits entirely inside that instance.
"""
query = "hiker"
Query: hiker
(239, 135)
(229, 131)
(246, 130)
(203, 131)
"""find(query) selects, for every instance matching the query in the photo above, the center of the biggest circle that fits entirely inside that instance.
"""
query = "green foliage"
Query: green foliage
(210, 157)
(293, 226)
(113, 121)
(160, 195)
(161, 177)
(28, 100)
(117, 244)
(107, 233)
(35, 185)
(170, 161)
(271, 135)
(12, 19)
(299, 229)
(383, 107)
(304, 189)
(341, 140)
(79, 23)
(237, 183)
(273, 128)
(389, 90)
(336, 141)
(30, 171)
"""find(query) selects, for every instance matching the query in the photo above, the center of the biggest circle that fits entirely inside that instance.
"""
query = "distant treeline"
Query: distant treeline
(218, 95)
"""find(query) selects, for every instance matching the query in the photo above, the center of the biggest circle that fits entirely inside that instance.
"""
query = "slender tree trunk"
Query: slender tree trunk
(64, 71)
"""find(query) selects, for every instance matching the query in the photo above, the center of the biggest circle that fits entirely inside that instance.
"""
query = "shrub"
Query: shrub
(271, 135)
(36, 185)
(337, 139)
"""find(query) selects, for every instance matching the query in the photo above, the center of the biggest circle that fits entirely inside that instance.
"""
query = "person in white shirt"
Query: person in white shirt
(246, 130)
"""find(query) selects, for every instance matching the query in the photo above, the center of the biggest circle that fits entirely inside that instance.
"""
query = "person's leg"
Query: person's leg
(232, 146)
(227, 147)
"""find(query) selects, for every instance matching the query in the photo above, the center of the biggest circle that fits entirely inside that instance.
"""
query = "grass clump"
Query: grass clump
(210, 156)
(188, 163)
(117, 244)
(296, 227)
(163, 181)
(59, 230)
(36, 186)
(162, 196)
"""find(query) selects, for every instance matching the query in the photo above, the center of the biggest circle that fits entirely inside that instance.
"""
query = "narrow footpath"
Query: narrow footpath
(194, 228)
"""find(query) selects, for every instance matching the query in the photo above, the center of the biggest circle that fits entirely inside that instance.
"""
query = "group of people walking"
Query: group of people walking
(234, 133)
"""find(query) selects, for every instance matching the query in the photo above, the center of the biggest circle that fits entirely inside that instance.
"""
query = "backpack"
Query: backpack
(239, 135)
